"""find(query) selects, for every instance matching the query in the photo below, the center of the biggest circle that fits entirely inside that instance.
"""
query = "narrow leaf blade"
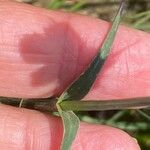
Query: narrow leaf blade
(80, 87)
(71, 124)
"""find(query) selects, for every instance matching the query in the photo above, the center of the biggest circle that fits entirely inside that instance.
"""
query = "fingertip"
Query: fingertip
(49, 49)
(28, 129)
(102, 137)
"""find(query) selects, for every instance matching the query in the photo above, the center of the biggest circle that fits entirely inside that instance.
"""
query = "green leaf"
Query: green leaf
(77, 6)
(80, 87)
(55, 4)
(71, 124)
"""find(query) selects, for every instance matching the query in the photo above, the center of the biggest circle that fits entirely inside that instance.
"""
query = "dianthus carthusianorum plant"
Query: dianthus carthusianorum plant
(69, 100)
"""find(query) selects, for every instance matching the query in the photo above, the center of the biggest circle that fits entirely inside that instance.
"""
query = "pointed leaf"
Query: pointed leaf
(71, 124)
(82, 85)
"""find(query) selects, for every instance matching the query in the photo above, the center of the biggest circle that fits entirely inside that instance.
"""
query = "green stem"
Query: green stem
(49, 104)
(133, 103)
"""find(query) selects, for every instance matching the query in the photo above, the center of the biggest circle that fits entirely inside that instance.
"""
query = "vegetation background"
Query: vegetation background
(137, 16)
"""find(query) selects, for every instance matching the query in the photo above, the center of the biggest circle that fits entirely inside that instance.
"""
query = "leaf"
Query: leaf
(80, 87)
(71, 124)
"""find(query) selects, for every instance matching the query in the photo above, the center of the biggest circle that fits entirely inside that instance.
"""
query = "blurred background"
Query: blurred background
(137, 11)
(136, 123)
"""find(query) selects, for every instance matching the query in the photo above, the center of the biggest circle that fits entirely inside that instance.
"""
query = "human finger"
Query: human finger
(22, 129)
(42, 52)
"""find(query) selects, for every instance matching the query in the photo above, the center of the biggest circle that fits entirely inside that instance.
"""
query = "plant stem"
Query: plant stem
(133, 103)
(42, 104)
(49, 104)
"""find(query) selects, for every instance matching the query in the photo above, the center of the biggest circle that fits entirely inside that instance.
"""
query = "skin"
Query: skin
(42, 52)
